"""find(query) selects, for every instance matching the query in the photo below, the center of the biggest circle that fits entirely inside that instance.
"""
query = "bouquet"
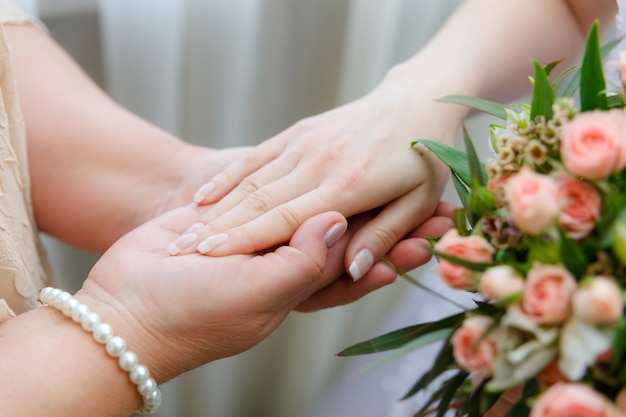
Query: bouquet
(541, 241)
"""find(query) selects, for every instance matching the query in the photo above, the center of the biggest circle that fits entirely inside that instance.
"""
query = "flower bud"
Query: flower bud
(481, 200)
(598, 301)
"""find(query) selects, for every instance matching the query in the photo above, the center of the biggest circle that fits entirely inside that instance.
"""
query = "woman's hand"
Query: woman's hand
(352, 159)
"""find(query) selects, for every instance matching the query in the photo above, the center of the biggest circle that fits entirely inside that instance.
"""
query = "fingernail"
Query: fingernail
(361, 264)
(334, 233)
(212, 242)
(201, 194)
(182, 242)
(194, 227)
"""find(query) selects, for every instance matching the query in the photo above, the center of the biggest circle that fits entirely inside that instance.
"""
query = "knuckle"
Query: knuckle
(290, 216)
(258, 202)
(250, 184)
(386, 236)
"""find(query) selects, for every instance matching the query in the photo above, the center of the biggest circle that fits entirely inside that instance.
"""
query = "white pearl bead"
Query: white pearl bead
(62, 299)
(154, 399)
(116, 346)
(139, 374)
(102, 333)
(90, 321)
(147, 387)
(70, 305)
(128, 361)
(79, 312)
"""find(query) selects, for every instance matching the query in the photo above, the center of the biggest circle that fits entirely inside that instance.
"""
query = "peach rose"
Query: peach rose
(470, 248)
(599, 301)
(581, 206)
(593, 145)
(573, 400)
(499, 282)
(471, 349)
(547, 296)
(533, 200)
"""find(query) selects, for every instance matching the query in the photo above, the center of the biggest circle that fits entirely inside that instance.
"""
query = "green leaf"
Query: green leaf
(543, 94)
(573, 256)
(401, 337)
(477, 170)
(455, 159)
(490, 107)
(592, 85)
(463, 193)
(574, 82)
(442, 362)
(472, 266)
(619, 345)
(459, 218)
(449, 391)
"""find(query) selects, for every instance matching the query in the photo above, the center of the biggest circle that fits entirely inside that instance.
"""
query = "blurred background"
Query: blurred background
(227, 73)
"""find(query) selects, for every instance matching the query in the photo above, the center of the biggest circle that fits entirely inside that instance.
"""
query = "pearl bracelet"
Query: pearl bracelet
(115, 346)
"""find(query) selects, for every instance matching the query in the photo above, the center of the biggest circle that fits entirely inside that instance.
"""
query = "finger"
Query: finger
(235, 172)
(380, 234)
(344, 290)
(295, 270)
(257, 194)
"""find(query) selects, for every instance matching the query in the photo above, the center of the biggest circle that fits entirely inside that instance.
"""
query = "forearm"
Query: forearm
(97, 170)
(485, 47)
(52, 367)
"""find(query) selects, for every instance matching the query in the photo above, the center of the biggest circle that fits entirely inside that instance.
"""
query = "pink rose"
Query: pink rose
(499, 282)
(472, 350)
(599, 301)
(469, 248)
(573, 400)
(533, 200)
(593, 145)
(547, 296)
(581, 206)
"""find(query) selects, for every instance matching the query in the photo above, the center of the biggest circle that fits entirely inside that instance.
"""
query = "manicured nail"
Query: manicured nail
(212, 242)
(334, 233)
(182, 242)
(194, 227)
(201, 194)
(361, 264)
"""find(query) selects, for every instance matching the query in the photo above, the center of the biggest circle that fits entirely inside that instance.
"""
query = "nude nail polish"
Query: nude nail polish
(361, 264)
(205, 190)
(334, 233)
(212, 242)
(182, 242)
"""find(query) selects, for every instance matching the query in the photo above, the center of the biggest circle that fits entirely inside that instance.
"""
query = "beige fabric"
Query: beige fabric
(23, 269)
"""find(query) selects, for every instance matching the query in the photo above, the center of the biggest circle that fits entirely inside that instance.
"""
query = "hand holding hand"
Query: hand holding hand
(352, 159)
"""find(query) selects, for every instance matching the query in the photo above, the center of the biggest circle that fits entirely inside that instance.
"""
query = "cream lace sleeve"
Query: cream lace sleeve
(23, 266)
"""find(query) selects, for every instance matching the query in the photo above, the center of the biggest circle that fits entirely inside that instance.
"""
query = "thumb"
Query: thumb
(298, 267)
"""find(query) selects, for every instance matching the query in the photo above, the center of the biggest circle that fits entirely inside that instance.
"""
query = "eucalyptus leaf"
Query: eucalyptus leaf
(592, 85)
(489, 107)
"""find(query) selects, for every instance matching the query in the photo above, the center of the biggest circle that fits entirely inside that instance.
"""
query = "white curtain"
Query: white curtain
(227, 73)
